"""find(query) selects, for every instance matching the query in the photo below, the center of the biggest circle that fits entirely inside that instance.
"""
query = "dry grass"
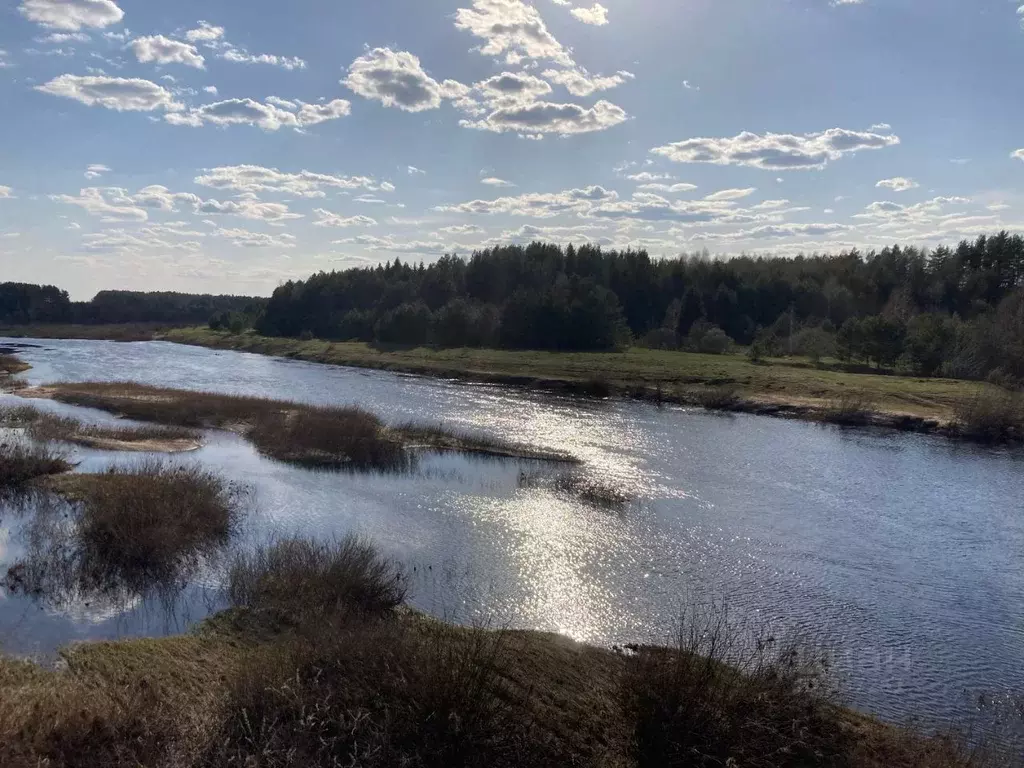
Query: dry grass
(850, 410)
(145, 521)
(21, 462)
(723, 398)
(302, 580)
(991, 417)
(334, 437)
(343, 687)
(48, 427)
(591, 490)
(11, 364)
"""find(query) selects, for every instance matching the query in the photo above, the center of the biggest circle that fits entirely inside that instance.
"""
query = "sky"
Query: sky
(226, 147)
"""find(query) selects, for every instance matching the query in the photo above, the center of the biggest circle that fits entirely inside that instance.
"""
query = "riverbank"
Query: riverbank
(783, 387)
(778, 387)
(242, 691)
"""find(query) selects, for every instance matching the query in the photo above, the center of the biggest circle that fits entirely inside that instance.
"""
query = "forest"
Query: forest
(25, 304)
(956, 311)
(952, 311)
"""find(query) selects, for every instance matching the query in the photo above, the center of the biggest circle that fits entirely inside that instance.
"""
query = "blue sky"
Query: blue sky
(225, 147)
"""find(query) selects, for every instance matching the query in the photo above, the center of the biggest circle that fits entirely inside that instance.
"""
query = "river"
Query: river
(903, 554)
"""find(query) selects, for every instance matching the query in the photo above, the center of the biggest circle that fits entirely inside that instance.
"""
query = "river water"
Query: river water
(902, 554)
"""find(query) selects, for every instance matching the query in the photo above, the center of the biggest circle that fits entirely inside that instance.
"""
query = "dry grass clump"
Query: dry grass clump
(11, 364)
(438, 437)
(45, 427)
(990, 417)
(724, 398)
(174, 407)
(300, 579)
(591, 490)
(148, 518)
(722, 698)
(850, 410)
(21, 462)
(327, 437)
(381, 694)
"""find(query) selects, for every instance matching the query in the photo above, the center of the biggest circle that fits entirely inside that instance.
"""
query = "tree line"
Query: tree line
(956, 311)
(25, 304)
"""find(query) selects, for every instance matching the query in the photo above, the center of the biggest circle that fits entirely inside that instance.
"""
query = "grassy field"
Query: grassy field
(674, 375)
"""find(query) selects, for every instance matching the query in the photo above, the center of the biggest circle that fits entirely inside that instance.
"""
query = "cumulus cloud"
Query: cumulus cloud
(544, 117)
(204, 33)
(269, 116)
(160, 198)
(243, 238)
(898, 184)
(121, 94)
(72, 15)
(776, 231)
(512, 88)
(731, 194)
(462, 229)
(327, 219)
(494, 181)
(163, 50)
(672, 188)
(249, 207)
(241, 56)
(512, 28)
(255, 178)
(397, 79)
(775, 151)
(579, 82)
(537, 204)
(598, 15)
(413, 171)
(372, 243)
(6, 192)
(111, 204)
(1019, 154)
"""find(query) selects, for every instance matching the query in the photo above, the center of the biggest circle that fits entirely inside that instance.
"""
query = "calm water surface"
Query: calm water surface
(902, 553)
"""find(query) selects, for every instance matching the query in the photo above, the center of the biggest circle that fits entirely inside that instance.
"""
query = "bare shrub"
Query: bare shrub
(990, 416)
(301, 579)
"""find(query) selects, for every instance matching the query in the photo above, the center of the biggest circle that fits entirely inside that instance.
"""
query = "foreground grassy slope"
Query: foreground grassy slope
(673, 374)
(176, 702)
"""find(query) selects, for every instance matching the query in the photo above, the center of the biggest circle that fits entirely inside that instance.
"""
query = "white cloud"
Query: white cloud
(731, 194)
(72, 15)
(243, 238)
(543, 117)
(512, 28)
(269, 116)
(204, 33)
(462, 229)
(1019, 154)
(510, 88)
(95, 171)
(413, 170)
(3, 59)
(579, 82)
(249, 207)
(770, 205)
(493, 181)
(56, 38)
(396, 79)
(240, 56)
(775, 231)
(160, 198)
(898, 184)
(112, 204)
(598, 15)
(672, 188)
(774, 151)
(536, 204)
(255, 178)
(646, 177)
(163, 50)
(210, 89)
(372, 243)
(328, 219)
(121, 94)
(6, 193)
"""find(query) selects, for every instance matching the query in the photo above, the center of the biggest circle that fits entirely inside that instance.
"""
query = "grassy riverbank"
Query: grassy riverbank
(673, 376)
(320, 665)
